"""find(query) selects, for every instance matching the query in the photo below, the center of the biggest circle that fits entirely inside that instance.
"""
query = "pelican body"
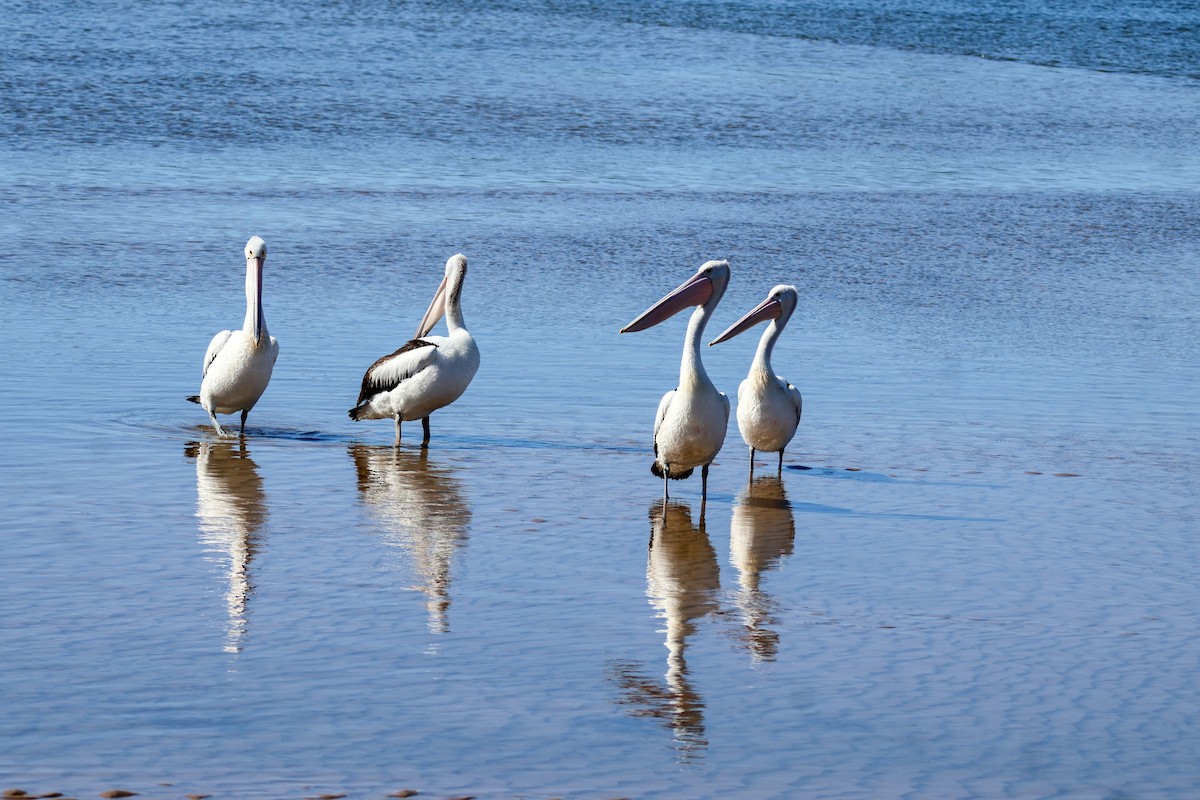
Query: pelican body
(428, 372)
(768, 406)
(238, 364)
(690, 425)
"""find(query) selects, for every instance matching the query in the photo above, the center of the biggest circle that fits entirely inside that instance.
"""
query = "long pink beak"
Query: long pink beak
(695, 291)
(437, 307)
(258, 306)
(767, 309)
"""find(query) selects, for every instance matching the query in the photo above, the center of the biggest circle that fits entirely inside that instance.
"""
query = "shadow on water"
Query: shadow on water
(762, 533)
(870, 477)
(231, 509)
(863, 476)
(422, 510)
(682, 581)
(296, 435)
(161, 429)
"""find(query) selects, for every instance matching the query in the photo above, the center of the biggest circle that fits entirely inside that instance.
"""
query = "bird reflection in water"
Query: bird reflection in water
(422, 510)
(682, 581)
(231, 509)
(761, 533)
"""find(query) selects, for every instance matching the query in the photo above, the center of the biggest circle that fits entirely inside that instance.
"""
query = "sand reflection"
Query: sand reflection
(761, 533)
(422, 510)
(231, 509)
(682, 580)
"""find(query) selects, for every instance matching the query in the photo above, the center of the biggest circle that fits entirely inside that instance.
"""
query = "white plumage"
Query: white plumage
(428, 372)
(238, 364)
(690, 425)
(769, 407)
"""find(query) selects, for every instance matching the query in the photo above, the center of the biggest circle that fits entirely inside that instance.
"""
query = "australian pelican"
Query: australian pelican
(768, 406)
(689, 428)
(238, 364)
(428, 372)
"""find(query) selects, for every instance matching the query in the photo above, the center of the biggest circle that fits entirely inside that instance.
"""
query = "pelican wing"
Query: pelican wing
(663, 405)
(794, 393)
(390, 371)
(214, 347)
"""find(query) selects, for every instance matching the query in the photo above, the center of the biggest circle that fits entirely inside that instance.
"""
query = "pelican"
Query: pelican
(689, 427)
(428, 372)
(768, 406)
(238, 364)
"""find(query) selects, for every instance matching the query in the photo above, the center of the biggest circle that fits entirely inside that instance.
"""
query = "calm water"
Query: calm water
(976, 576)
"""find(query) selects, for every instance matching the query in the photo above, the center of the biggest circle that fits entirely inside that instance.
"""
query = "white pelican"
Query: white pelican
(429, 371)
(689, 428)
(768, 406)
(238, 364)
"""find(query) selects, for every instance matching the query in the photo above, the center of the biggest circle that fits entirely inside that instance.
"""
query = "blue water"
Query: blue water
(975, 576)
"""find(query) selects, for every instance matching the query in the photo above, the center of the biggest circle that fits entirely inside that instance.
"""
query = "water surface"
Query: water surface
(975, 576)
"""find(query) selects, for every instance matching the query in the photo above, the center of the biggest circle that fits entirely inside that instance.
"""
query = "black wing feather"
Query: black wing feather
(372, 387)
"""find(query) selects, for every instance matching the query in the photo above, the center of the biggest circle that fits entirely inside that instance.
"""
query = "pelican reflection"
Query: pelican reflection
(762, 533)
(682, 581)
(231, 509)
(422, 510)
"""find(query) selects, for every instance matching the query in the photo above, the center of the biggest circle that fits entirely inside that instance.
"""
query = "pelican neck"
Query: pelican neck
(691, 369)
(766, 346)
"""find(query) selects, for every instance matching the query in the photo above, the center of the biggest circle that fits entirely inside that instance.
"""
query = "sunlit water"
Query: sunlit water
(975, 577)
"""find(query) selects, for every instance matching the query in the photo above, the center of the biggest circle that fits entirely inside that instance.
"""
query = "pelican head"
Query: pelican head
(256, 248)
(702, 289)
(779, 305)
(256, 254)
(448, 292)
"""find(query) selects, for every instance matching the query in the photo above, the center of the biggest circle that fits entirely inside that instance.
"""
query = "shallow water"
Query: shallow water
(975, 576)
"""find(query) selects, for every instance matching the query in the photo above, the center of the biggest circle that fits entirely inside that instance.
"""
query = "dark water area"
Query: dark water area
(1155, 38)
(975, 575)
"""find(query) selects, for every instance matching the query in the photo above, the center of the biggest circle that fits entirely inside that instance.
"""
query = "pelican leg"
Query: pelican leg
(666, 494)
(780, 471)
(216, 425)
(752, 463)
(242, 430)
(703, 484)
(397, 430)
(425, 429)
